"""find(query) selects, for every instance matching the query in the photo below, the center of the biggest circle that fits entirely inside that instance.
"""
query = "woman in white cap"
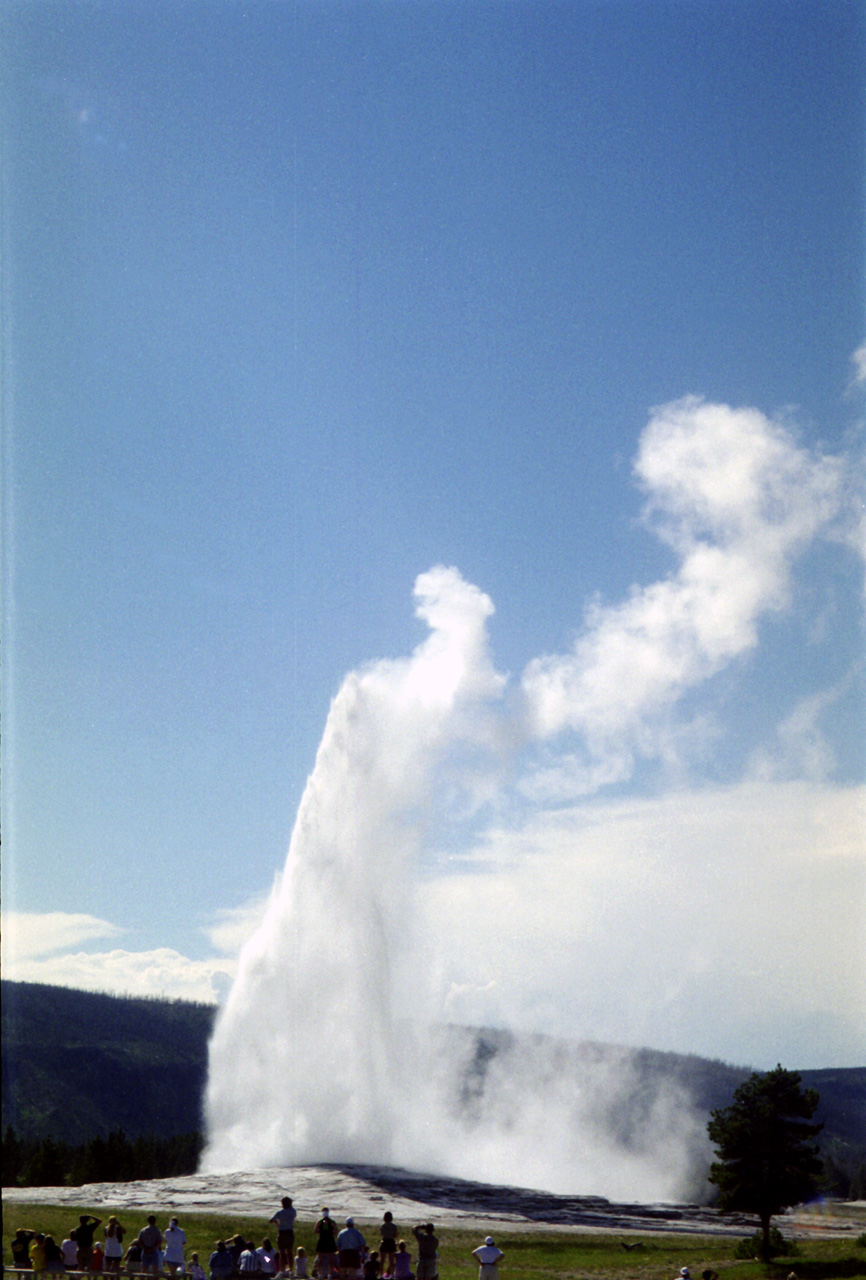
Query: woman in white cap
(488, 1256)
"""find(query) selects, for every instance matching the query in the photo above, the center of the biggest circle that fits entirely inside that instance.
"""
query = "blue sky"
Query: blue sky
(303, 299)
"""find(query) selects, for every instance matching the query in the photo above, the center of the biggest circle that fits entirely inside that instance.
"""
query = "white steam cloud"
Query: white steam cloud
(736, 500)
(326, 1049)
(322, 966)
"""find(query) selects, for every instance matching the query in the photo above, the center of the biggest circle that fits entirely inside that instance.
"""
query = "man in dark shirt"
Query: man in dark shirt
(221, 1262)
(428, 1252)
(326, 1246)
(21, 1248)
(84, 1239)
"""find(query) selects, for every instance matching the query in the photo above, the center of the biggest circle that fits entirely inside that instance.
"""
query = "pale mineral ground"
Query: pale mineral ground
(365, 1192)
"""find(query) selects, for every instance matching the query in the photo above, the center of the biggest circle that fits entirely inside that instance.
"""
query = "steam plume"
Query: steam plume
(324, 1050)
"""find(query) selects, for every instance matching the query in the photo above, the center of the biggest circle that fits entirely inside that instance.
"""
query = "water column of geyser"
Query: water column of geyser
(325, 1051)
(307, 1062)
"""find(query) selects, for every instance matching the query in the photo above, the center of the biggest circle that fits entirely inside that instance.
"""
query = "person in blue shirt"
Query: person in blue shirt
(350, 1244)
(221, 1262)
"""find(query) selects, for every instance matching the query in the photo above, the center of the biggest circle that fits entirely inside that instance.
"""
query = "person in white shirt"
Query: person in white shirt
(69, 1250)
(488, 1256)
(174, 1241)
(267, 1256)
(114, 1233)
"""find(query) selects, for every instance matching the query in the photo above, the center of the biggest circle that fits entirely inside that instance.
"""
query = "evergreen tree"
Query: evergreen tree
(766, 1159)
(13, 1158)
(48, 1166)
(118, 1158)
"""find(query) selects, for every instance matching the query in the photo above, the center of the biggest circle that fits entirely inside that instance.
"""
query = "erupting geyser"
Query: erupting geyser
(325, 1051)
(333, 1044)
(307, 1062)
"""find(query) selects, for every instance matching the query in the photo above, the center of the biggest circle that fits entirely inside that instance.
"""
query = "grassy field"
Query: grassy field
(536, 1255)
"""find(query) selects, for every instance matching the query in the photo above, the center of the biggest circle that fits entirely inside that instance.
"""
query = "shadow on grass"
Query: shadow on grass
(556, 1248)
(840, 1269)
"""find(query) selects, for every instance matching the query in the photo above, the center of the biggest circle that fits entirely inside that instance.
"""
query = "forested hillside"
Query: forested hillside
(78, 1066)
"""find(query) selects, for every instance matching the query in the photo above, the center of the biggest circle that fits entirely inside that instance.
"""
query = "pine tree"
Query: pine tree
(13, 1158)
(49, 1165)
(766, 1159)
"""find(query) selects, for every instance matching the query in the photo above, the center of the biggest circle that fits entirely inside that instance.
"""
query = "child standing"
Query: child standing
(388, 1245)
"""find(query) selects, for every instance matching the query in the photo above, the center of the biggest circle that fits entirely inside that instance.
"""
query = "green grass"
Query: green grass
(534, 1255)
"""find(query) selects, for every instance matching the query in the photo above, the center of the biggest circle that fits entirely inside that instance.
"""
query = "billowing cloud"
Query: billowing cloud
(736, 500)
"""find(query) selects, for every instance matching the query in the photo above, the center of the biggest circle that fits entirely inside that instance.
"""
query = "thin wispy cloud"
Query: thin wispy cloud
(31, 934)
(235, 925)
(801, 748)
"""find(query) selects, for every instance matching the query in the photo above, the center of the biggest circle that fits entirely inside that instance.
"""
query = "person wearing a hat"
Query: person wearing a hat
(350, 1245)
(488, 1256)
(685, 1274)
(114, 1233)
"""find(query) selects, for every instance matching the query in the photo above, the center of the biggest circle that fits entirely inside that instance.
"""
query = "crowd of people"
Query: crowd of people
(152, 1251)
(341, 1253)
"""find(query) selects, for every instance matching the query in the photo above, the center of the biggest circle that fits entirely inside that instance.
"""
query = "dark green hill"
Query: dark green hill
(77, 1065)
